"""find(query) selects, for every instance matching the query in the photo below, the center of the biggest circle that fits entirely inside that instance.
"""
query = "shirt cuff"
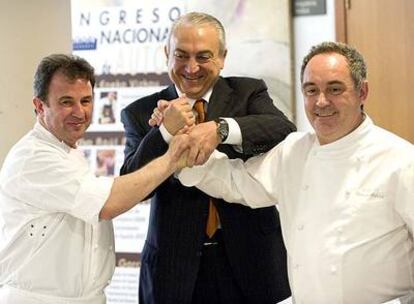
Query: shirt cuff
(165, 134)
(234, 137)
(189, 177)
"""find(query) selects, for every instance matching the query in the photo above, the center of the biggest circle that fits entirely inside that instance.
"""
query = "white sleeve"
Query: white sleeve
(405, 195)
(253, 183)
(49, 182)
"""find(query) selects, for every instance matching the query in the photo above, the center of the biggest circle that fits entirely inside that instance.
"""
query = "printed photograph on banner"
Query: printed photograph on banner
(106, 107)
(87, 154)
(105, 162)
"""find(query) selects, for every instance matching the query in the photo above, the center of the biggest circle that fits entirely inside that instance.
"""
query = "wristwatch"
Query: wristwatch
(222, 128)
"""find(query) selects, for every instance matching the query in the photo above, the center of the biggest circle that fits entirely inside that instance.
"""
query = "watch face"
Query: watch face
(223, 129)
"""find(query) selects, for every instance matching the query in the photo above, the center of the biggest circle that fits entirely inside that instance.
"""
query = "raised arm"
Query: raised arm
(253, 183)
(132, 188)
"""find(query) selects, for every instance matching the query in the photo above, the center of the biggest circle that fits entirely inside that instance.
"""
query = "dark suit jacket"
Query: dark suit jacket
(252, 237)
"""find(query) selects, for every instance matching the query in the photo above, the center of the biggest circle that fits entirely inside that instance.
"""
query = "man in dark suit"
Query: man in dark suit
(244, 261)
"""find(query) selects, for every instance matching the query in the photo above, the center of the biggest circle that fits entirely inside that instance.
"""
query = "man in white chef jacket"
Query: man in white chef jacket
(345, 191)
(56, 237)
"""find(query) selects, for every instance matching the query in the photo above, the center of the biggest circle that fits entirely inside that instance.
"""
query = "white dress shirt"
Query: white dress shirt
(53, 248)
(346, 209)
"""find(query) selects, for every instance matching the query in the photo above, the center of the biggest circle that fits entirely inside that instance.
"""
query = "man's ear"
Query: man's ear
(220, 60)
(363, 92)
(166, 54)
(225, 54)
(39, 105)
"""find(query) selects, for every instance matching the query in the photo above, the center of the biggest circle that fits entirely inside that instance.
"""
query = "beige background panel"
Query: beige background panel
(29, 31)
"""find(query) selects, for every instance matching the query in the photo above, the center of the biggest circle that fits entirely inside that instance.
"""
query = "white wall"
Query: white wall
(29, 30)
(308, 31)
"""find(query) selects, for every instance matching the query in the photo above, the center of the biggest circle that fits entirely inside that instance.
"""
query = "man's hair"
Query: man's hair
(72, 67)
(198, 19)
(356, 62)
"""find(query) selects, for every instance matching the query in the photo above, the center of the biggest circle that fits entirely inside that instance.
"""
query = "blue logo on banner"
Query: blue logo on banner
(84, 44)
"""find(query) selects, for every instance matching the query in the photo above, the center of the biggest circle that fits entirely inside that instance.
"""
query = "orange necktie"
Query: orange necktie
(213, 220)
(200, 110)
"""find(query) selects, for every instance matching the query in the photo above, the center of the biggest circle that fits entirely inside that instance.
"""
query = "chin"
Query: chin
(192, 90)
(193, 95)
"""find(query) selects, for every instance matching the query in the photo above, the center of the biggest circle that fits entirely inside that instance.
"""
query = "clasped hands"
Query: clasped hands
(192, 144)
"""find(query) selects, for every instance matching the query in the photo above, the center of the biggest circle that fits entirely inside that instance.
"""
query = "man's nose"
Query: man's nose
(322, 100)
(192, 66)
(78, 110)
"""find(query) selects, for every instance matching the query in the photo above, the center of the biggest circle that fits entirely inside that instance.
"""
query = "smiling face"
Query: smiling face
(68, 109)
(193, 58)
(332, 103)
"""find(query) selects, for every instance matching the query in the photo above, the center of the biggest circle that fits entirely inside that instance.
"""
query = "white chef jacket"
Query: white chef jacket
(346, 210)
(53, 248)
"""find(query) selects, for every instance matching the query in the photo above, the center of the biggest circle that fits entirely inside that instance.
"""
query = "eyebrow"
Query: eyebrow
(198, 53)
(179, 50)
(309, 83)
(335, 82)
(65, 97)
(71, 97)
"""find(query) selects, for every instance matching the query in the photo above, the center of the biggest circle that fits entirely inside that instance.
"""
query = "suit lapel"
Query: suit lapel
(220, 101)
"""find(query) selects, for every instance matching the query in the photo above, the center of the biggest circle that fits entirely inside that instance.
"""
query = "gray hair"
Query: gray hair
(356, 63)
(197, 18)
